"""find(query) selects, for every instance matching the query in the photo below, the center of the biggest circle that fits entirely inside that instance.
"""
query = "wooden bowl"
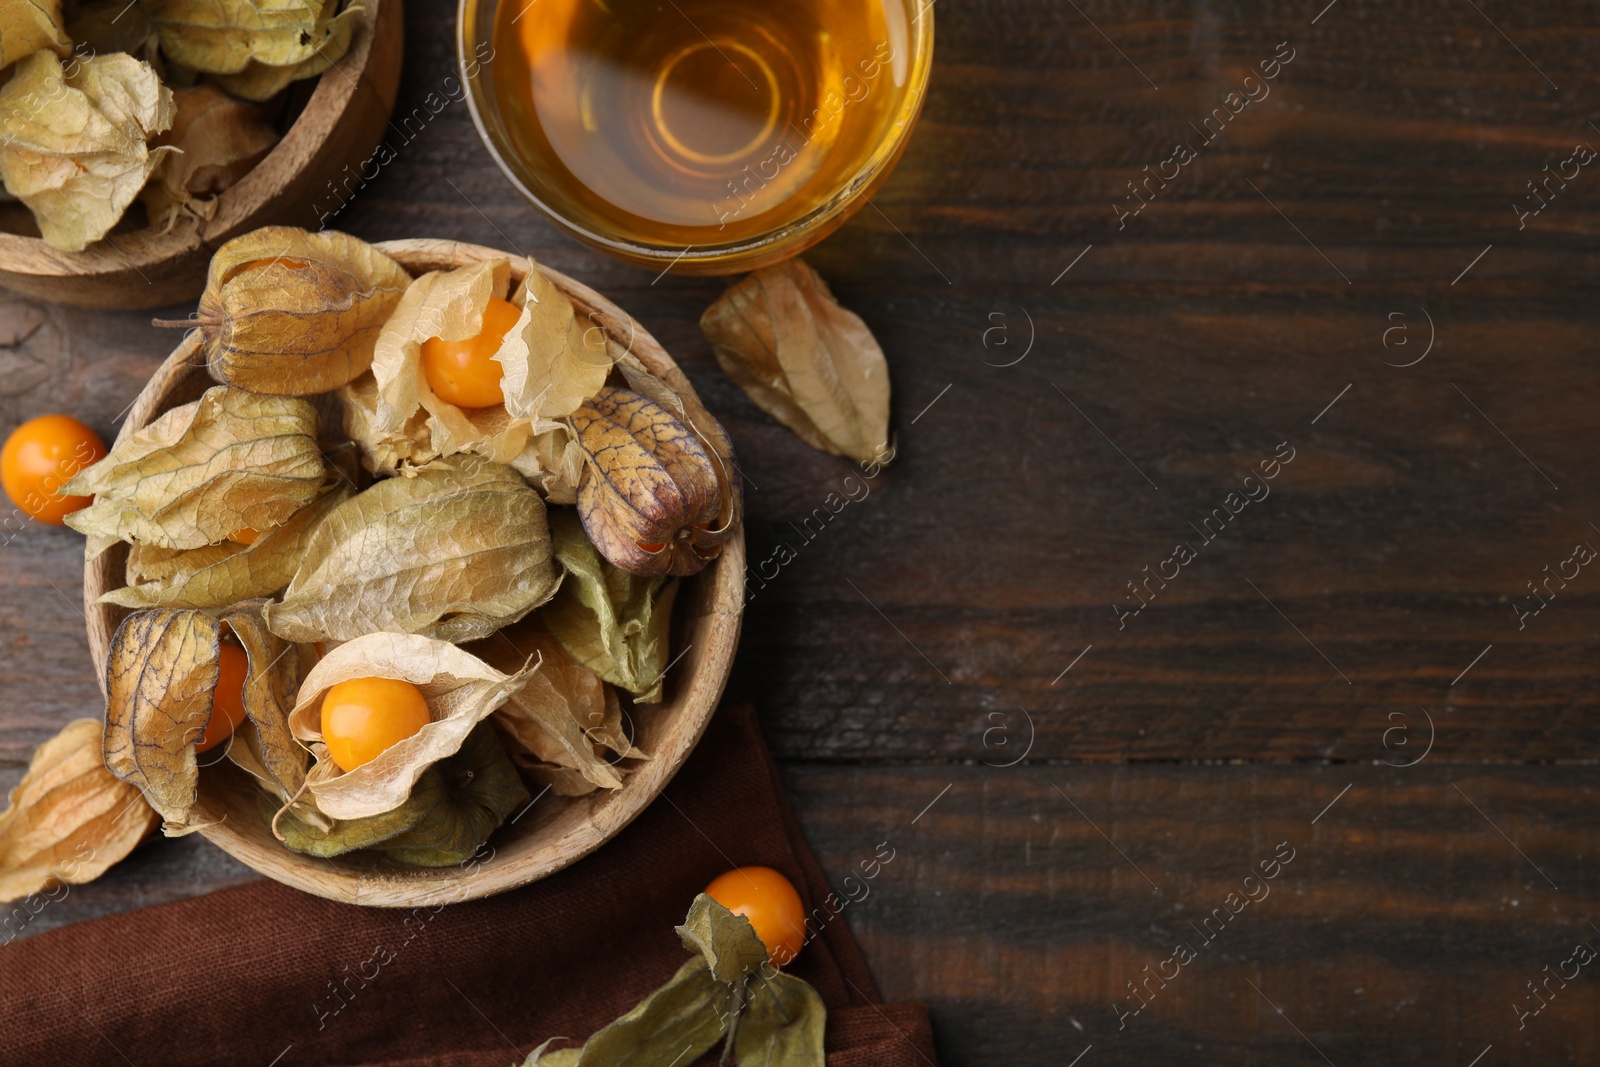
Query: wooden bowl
(556, 831)
(343, 122)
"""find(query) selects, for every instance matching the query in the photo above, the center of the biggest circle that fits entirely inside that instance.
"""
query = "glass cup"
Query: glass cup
(547, 164)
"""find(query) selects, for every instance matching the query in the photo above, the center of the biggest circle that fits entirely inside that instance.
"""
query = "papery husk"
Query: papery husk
(553, 464)
(161, 678)
(460, 689)
(563, 717)
(226, 573)
(649, 496)
(726, 987)
(295, 313)
(227, 36)
(687, 409)
(479, 789)
(805, 360)
(272, 680)
(74, 142)
(448, 305)
(553, 360)
(26, 26)
(613, 623)
(219, 139)
(454, 807)
(229, 461)
(456, 551)
(69, 819)
(783, 1023)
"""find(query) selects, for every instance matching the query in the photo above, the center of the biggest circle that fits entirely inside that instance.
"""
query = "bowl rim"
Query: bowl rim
(720, 586)
(239, 203)
(729, 256)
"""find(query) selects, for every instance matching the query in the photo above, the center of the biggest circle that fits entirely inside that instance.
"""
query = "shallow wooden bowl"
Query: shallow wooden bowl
(343, 122)
(556, 831)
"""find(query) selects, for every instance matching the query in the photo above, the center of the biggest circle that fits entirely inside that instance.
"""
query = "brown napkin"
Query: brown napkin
(251, 973)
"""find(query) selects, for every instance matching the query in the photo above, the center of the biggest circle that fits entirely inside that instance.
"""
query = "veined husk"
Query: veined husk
(255, 47)
(69, 819)
(614, 623)
(290, 312)
(551, 364)
(161, 679)
(229, 461)
(563, 719)
(26, 26)
(75, 142)
(454, 807)
(456, 551)
(461, 691)
(805, 360)
(654, 461)
(728, 990)
(219, 139)
(226, 573)
(649, 496)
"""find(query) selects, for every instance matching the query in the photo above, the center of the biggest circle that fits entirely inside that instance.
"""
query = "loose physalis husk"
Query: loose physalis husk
(809, 363)
(257, 46)
(553, 360)
(230, 461)
(219, 139)
(448, 305)
(563, 718)
(290, 312)
(456, 551)
(75, 147)
(460, 689)
(69, 819)
(614, 623)
(161, 678)
(729, 990)
(29, 25)
(454, 807)
(551, 364)
(227, 573)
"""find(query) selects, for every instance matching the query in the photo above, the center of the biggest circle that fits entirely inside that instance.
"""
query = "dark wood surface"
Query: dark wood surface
(1363, 609)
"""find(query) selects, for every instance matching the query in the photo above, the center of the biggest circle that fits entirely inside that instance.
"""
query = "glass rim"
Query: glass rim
(481, 105)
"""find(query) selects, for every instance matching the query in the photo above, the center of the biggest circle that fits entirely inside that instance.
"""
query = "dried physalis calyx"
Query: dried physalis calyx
(69, 818)
(202, 472)
(250, 564)
(458, 689)
(294, 313)
(456, 551)
(75, 142)
(809, 363)
(219, 140)
(27, 27)
(651, 498)
(170, 694)
(253, 47)
(613, 623)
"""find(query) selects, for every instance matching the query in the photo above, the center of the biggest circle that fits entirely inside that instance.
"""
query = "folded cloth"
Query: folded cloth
(264, 974)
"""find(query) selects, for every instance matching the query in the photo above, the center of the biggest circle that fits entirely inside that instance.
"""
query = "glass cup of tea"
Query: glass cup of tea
(711, 136)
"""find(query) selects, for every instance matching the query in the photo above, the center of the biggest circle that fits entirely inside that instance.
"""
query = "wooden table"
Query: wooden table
(1346, 668)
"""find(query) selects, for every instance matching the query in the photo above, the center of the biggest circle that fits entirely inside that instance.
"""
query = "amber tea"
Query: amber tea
(700, 122)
